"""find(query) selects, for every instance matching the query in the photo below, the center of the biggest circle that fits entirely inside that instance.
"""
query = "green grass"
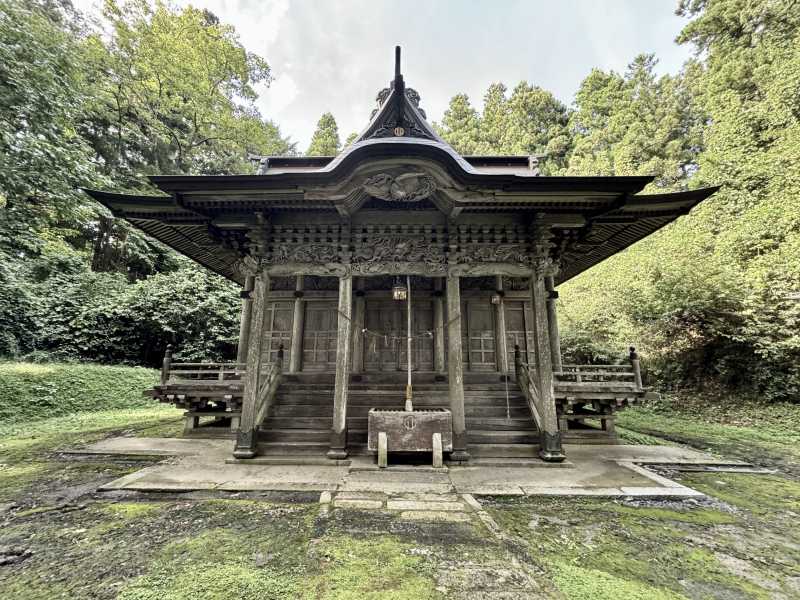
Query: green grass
(38, 391)
(732, 427)
(741, 544)
(597, 548)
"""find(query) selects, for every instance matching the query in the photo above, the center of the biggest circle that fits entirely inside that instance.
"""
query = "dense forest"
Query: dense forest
(712, 301)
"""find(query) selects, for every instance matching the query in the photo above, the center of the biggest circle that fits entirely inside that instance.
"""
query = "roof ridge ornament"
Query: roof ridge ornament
(398, 113)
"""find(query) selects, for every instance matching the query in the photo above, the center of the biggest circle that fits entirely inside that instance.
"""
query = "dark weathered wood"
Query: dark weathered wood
(637, 371)
(552, 322)
(550, 442)
(410, 431)
(338, 446)
(244, 324)
(501, 348)
(438, 326)
(298, 327)
(359, 319)
(455, 369)
(246, 437)
(166, 365)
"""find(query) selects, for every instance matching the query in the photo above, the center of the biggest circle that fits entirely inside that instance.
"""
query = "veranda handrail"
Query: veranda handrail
(528, 386)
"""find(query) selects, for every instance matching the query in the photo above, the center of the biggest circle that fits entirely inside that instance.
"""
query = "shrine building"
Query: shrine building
(400, 271)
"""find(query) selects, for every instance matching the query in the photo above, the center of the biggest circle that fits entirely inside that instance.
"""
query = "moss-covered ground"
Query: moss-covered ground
(60, 538)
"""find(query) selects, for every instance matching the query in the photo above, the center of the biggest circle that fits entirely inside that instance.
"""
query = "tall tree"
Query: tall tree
(43, 158)
(176, 94)
(325, 141)
(537, 125)
(350, 138)
(636, 124)
(494, 120)
(749, 88)
(461, 125)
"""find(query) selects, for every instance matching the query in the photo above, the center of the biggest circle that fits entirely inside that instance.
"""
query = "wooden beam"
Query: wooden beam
(246, 442)
(552, 323)
(500, 327)
(550, 448)
(359, 318)
(298, 327)
(338, 447)
(455, 369)
(244, 322)
(438, 326)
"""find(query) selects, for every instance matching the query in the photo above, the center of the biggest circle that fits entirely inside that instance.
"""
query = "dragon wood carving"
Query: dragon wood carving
(408, 187)
(382, 253)
(306, 253)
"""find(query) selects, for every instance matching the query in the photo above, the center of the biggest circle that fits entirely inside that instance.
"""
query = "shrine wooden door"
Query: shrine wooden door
(385, 340)
(518, 330)
(320, 330)
(478, 334)
(278, 326)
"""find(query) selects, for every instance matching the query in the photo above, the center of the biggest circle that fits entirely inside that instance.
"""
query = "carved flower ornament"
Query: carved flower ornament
(409, 187)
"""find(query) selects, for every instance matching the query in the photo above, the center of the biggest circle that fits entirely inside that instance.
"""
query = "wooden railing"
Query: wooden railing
(527, 384)
(206, 372)
(602, 376)
(268, 382)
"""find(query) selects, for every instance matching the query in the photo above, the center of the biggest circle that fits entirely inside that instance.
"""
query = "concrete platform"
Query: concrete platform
(200, 464)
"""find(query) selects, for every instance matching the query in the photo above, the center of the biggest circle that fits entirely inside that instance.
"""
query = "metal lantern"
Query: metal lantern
(399, 291)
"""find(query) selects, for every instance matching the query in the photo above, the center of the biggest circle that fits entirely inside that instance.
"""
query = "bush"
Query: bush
(37, 391)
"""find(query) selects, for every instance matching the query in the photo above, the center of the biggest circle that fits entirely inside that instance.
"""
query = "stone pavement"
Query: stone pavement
(197, 464)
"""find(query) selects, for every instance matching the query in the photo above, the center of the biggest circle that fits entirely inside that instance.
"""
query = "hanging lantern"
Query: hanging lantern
(399, 291)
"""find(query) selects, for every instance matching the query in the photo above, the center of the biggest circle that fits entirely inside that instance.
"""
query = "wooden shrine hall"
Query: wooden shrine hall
(399, 270)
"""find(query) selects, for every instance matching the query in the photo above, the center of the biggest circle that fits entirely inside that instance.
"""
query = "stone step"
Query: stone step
(486, 436)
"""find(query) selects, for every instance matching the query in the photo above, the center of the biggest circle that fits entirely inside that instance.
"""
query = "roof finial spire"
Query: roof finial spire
(397, 74)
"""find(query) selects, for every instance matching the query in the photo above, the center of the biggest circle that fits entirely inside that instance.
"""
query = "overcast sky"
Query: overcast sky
(334, 56)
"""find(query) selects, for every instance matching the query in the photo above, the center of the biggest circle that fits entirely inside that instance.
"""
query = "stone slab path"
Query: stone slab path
(196, 464)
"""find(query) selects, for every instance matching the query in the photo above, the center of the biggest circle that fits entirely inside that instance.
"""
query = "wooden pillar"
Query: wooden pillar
(438, 326)
(549, 437)
(338, 447)
(359, 317)
(246, 442)
(455, 369)
(244, 322)
(501, 354)
(298, 327)
(552, 323)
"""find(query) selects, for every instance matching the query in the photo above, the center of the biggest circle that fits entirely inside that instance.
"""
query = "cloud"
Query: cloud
(335, 56)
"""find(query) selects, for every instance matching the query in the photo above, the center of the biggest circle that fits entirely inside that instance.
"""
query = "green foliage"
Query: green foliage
(325, 141)
(529, 122)
(350, 139)
(31, 391)
(461, 125)
(43, 158)
(636, 124)
(99, 316)
(177, 95)
(161, 90)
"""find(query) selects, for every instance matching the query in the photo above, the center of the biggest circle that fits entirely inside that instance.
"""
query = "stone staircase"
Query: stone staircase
(300, 420)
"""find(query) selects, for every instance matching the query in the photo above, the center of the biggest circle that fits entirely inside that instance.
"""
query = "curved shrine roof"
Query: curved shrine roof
(206, 217)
